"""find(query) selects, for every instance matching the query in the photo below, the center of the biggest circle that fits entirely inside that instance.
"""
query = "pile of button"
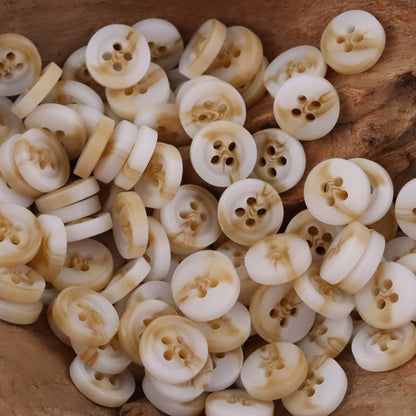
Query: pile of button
(91, 182)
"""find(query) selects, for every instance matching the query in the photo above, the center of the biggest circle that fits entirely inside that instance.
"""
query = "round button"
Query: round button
(405, 209)
(20, 313)
(151, 290)
(10, 124)
(254, 90)
(88, 227)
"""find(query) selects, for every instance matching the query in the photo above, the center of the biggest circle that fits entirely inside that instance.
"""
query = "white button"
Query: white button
(327, 337)
(152, 290)
(91, 116)
(406, 209)
(281, 159)
(323, 390)
(8, 195)
(278, 314)
(49, 294)
(399, 247)
(353, 42)
(184, 87)
(306, 107)
(223, 152)
(274, 371)
(88, 227)
(205, 285)
(117, 56)
(249, 210)
(20, 313)
(10, 123)
(21, 63)
(387, 301)
(54, 326)
(337, 191)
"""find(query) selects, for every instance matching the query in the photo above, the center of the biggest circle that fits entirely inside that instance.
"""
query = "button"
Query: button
(8, 195)
(254, 90)
(117, 56)
(337, 191)
(223, 152)
(152, 290)
(274, 371)
(406, 209)
(281, 159)
(10, 124)
(353, 42)
(249, 210)
(304, 59)
(54, 327)
(306, 107)
(184, 86)
(399, 247)
(91, 116)
(278, 314)
(323, 390)
(88, 227)
(20, 313)
(202, 49)
(387, 300)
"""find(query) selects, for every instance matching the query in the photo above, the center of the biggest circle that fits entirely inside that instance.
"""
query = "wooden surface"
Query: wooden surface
(378, 120)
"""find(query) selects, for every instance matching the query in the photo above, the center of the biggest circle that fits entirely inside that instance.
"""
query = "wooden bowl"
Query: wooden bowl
(377, 121)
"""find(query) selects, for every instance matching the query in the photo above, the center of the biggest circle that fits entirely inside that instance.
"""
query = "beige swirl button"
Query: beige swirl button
(399, 247)
(387, 300)
(190, 219)
(274, 371)
(8, 195)
(49, 294)
(223, 152)
(277, 259)
(88, 227)
(10, 124)
(205, 285)
(202, 49)
(278, 314)
(304, 59)
(236, 402)
(322, 391)
(173, 349)
(353, 42)
(281, 159)
(327, 337)
(54, 327)
(20, 313)
(117, 56)
(155, 289)
(85, 316)
(110, 390)
(384, 349)
(306, 107)
(405, 209)
(20, 63)
(248, 210)
(337, 191)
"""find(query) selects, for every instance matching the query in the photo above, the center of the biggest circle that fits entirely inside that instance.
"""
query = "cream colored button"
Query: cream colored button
(384, 349)
(280, 159)
(91, 116)
(327, 337)
(236, 402)
(164, 118)
(108, 359)
(88, 227)
(85, 316)
(304, 59)
(205, 285)
(208, 101)
(278, 258)
(49, 294)
(9, 123)
(387, 300)
(274, 371)
(184, 87)
(110, 113)
(153, 88)
(130, 226)
(235, 252)
(139, 157)
(322, 391)
(107, 390)
(249, 210)
(126, 279)
(67, 195)
(337, 191)
(54, 327)
(228, 331)
(253, 91)
(306, 107)
(366, 266)
(173, 349)
(399, 247)
(353, 42)
(20, 313)
(318, 235)
(8, 195)
(345, 252)
(20, 63)
(64, 122)
(117, 56)
(278, 314)
(227, 366)
(161, 179)
(240, 57)
(151, 290)
(223, 152)
(50, 257)
(190, 219)
(322, 297)
(20, 235)
(202, 49)
(405, 209)
(387, 226)
(37, 91)
(164, 40)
